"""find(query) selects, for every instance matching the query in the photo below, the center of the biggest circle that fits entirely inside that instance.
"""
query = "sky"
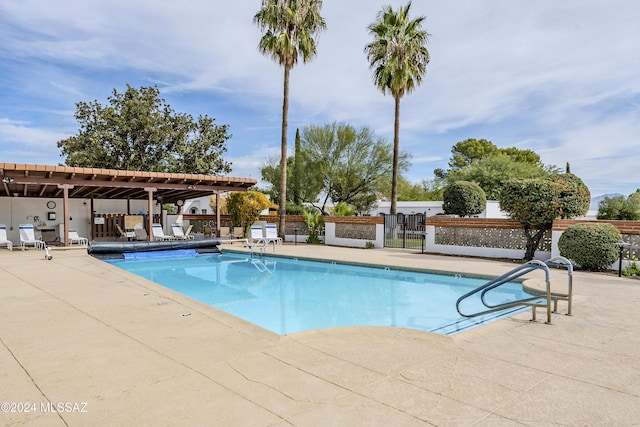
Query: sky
(561, 78)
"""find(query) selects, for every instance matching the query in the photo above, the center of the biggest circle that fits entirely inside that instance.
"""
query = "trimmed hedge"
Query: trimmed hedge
(591, 246)
(464, 198)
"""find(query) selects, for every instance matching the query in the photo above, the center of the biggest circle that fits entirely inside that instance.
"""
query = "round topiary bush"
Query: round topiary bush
(590, 245)
(464, 198)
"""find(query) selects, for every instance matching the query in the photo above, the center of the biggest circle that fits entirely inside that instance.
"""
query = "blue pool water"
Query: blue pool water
(290, 295)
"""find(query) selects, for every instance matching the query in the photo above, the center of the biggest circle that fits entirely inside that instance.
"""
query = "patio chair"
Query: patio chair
(140, 233)
(188, 234)
(28, 237)
(255, 240)
(271, 235)
(125, 234)
(3, 238)
(179, 234)
(236, 233)
(75, 238)
(225, 233)
(158, 233)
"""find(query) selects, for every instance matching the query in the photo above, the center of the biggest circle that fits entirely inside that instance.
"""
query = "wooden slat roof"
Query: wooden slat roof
(24, 180)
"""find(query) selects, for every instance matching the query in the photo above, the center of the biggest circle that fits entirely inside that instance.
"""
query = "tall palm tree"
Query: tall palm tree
(399, 58)
(290, 28)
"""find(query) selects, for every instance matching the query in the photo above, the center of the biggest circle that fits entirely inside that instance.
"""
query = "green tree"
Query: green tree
(308, 192)
(351, 164)
(464, 198)
(245, 208)
(399, 58)
(425, 190)
(465, 153)
(619, 207)
(290, 28)
(297, 171)
(536, 202)
(482, 162)
(492, 172)
(343, 209)
(137, 130)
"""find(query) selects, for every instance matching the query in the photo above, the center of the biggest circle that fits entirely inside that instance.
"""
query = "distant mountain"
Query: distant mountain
(595, 201)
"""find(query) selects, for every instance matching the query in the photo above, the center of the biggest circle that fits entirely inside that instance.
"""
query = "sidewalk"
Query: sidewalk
(84, 343)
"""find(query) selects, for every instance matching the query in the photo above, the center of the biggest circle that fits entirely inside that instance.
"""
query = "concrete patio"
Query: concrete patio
(83, 343)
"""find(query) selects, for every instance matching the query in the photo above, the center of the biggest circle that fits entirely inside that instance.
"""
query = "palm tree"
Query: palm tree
(290, 28)
(399, 59)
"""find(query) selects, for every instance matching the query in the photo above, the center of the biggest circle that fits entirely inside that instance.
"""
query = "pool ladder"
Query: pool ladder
(533, 301)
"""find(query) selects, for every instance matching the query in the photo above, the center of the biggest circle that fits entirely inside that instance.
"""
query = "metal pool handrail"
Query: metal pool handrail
(561, 261)
(517, 272)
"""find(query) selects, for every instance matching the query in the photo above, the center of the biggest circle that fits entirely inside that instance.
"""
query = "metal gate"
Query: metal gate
(404, 231)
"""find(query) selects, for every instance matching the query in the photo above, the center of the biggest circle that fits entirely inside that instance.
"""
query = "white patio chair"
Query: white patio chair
(3, 238)
(75, 238)
(28, 237)
(179, 234)
(271, 235)
(158, 233)
(255, 240)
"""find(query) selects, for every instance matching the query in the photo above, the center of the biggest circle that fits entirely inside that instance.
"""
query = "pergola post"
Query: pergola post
(150, 191)
(217, 214)
(65, 210)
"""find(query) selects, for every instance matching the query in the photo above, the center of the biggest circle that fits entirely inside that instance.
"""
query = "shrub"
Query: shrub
(631, 269)
(464, 198)
(245, 208)
(343, 209)
(314, 222)
(590, 245)
(293, 209)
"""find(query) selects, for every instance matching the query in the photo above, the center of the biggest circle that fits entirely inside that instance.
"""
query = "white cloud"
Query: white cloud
(552, 76)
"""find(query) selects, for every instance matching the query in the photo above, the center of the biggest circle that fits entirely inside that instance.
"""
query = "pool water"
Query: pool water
(291, 295)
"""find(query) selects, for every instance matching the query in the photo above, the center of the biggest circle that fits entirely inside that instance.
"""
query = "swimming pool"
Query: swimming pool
(288, 295)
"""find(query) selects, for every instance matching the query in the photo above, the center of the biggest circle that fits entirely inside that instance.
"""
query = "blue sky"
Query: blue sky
(559, 77)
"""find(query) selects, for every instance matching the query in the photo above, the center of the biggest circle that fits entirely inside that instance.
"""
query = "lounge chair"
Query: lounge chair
(158, 233)
(188, 234)
(140, 233)
(179, 234)
(237, 233)
(75, 238)
(125, 234)
(256, 239)
(256, 236)
(225, 233)
(271, 235)
(3, 238)
(28, 237)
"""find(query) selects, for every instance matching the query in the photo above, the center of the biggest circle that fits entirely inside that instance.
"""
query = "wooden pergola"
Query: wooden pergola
(45, 181)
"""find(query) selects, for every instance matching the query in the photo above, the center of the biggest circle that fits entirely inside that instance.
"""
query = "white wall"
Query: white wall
(434, 208)
(331, 239)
